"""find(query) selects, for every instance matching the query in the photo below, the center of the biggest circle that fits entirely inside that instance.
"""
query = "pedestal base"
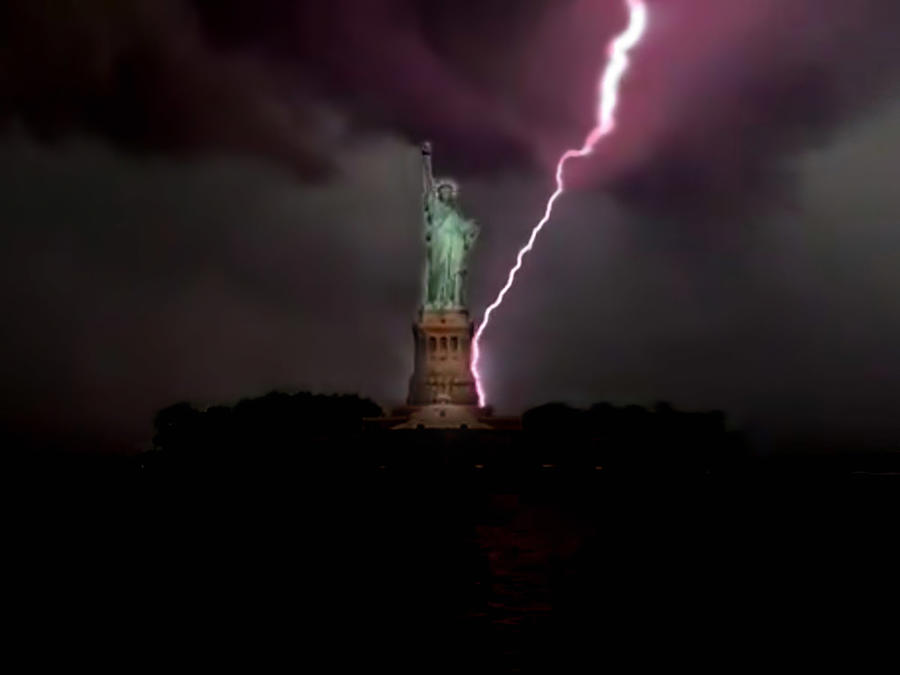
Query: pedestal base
(443, 373)
(444, 416)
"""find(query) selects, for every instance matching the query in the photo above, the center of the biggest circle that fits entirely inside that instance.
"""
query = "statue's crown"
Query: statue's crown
(447, 182)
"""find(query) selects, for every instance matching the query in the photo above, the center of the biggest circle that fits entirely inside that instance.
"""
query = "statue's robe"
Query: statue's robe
(449, 237)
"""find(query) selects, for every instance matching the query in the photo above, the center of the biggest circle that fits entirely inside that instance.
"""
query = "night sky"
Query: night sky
(208, 200)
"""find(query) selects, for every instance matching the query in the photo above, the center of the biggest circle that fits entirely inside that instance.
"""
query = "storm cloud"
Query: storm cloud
(720, 93)
(208, 200)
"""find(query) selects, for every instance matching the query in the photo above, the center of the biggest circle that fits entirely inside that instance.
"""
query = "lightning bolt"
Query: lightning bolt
(608, 102)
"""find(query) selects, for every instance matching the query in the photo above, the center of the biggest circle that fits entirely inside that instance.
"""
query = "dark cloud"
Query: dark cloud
(130, 283)
(725, 91)
(790, 324)
(720, 93)
(141, 74)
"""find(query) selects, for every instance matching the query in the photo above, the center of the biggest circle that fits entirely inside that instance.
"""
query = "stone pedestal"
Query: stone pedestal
(441, 416)
(443, 356)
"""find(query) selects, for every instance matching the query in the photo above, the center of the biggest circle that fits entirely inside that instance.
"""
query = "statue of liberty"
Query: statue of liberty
(443, 332)
(448, 236)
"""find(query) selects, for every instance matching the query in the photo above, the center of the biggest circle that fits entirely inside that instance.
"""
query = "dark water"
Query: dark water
(411, 572)
(568, 568)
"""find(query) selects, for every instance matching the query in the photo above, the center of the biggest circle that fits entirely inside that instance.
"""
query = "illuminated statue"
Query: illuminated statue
(448, 236)
(443, 331)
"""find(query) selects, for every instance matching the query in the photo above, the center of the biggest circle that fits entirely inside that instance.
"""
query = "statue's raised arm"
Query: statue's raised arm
(427, 173)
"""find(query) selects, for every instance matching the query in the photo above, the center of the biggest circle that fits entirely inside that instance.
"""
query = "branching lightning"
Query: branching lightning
(608, 101)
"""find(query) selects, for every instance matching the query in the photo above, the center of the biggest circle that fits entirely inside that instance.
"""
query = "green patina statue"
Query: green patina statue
(449, 236)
